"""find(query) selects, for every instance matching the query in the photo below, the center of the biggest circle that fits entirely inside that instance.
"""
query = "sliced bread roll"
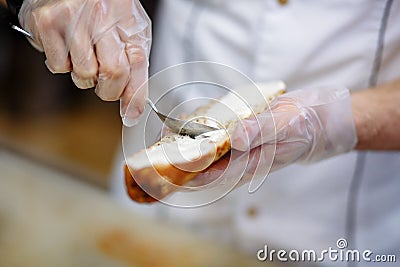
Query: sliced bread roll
(169, 164)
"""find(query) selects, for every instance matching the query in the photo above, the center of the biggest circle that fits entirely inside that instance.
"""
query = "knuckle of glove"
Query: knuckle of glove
(136, 53)
(110, 73)
(44, 18)
(107, 82)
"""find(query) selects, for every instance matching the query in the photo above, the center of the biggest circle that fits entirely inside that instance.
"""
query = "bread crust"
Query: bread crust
(168, 177)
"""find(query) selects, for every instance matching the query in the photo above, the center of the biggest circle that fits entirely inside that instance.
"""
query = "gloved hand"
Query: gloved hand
(302, 126)
(103, 43)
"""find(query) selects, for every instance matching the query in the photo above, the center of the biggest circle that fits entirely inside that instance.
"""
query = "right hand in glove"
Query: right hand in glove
(103, 43)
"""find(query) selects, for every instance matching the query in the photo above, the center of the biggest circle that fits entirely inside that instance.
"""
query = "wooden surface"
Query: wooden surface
(82, 139)
(49, 219)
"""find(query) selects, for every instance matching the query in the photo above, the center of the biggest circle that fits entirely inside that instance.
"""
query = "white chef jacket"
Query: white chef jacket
(306, 43)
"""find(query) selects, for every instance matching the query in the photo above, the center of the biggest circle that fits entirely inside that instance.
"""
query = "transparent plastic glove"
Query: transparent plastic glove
(310, 125)
(103, 43)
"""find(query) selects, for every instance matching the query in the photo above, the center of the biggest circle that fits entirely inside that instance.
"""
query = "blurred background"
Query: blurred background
(47, 118)
(57, 148)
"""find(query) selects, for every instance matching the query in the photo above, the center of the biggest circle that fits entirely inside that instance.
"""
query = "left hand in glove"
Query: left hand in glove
(301, 126)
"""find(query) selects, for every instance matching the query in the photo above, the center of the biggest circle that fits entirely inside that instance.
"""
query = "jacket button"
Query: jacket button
(252, 212)
(283, 2)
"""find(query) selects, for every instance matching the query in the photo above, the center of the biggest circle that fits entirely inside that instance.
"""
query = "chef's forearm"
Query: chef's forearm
(3, 3)
(377, 117)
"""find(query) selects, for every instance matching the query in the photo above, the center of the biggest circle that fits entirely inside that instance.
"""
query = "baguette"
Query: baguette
(156, 172)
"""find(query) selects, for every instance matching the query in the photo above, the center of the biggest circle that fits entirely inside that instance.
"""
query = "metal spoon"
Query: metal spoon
(20, 30)
(182, 127)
